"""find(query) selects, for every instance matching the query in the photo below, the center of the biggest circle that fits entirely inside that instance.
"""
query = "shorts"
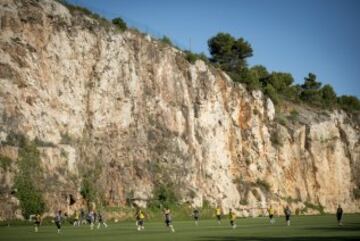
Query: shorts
(196, 218)
(271, 216)
(232, 222)
(141, 222)
(58, 225)
(287, 217)
(218, 217)
(339, 217)
(168, 222)
(37, 223)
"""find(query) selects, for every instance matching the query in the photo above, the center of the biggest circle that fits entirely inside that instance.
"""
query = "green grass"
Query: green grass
(303, 228)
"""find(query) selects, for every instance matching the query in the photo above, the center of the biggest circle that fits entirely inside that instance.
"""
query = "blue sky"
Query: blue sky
(319, 36)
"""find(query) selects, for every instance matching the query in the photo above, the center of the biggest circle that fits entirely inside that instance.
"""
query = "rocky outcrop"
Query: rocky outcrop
(133, 110)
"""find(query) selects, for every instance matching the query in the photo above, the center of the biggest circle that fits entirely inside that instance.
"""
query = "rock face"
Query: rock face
(136, 112)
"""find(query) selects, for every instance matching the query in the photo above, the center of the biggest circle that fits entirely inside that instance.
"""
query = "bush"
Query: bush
(87, 190)
(164, 195)
(271, 92)
(119, 23)
(192, 57)
(5, 162)
(356, 192)
(15, 139)
(349, 103)
(263, 184)
(28, 178)
(166, 40)
(309, 205)
(276, 139)
(294, 115)
(42, 143)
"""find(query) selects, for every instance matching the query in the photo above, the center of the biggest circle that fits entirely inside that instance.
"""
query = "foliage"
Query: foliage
(263, 184)
(318, 207)
(271, 92)
(228, 52)
(39, 142)
(275, 139)
(294, 114)
(356, 192)
(88, 190)
(164, 195)
(119, 23)
(349, 103)
(15, 139)
(192, 57)
(311, 83)
(28, 179)
(78, 9)
(5, 162)
(166, 40)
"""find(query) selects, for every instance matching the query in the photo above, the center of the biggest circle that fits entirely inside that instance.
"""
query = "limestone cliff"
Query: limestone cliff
(135, 110)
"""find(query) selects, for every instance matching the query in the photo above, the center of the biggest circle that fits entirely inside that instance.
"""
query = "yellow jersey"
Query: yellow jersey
(218, 211)
(271, 211)
(232, 216)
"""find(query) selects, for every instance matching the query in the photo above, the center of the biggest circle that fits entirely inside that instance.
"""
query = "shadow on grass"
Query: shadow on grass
(209, 238)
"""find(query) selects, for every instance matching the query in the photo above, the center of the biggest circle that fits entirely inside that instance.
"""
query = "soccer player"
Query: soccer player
(76, 219)
(91, 219)
(339, 215)
(101, 221)
(168, 220)
(196, 215)
(271, 214)
(58, 220)
(232, 217)
(218, 214)
(37, 222)
(140, 220)
(287, 213)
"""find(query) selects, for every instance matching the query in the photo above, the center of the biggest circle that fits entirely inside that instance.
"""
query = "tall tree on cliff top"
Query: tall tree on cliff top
(229, 53)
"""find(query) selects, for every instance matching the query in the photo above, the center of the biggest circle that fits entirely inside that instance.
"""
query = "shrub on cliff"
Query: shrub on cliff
(119, 23)
(28, 179)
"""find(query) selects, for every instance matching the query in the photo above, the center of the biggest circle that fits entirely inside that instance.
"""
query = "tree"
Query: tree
(328, 96)
(228, 52)
(166, 40)
(120, 23)
(311, 83)
(349, 103)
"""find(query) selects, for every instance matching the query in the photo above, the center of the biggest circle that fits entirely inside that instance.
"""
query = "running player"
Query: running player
(271, 214)
(58, 220)
(232, 217)
(140, 220)
(339, 215)
(196, 215)
(91, 219)
(37, 221)
(287, 213)
(218, 214)
(168, 220)
(101, 221)
(76, 219)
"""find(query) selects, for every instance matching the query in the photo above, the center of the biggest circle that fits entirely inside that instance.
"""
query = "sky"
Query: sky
(318, 36)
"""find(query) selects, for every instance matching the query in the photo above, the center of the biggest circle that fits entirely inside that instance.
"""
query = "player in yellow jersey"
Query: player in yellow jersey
(76, 219)
(140, 216)
(271, 214)
(218, 214)
(232, 217)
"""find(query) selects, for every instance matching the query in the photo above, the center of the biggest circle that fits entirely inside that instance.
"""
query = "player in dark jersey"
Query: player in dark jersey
(287, 213)
(58, 220)
(101, 221)
(196, 215)
(37, 221)
(168, 220)
(339, 215)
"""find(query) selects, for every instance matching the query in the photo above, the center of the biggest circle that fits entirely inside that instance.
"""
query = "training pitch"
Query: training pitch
(303, 228)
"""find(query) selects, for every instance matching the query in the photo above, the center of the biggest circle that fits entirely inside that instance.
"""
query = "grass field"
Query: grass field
(303, 228)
